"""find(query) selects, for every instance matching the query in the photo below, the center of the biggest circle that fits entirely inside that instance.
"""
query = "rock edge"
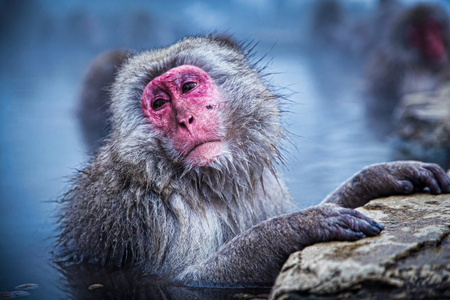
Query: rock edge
(410, 258)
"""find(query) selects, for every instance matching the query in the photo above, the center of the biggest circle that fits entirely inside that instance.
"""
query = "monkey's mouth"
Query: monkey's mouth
(202, 154)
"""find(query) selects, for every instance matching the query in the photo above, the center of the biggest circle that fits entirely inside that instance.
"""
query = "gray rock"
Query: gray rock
(423, 126)
(409, 259)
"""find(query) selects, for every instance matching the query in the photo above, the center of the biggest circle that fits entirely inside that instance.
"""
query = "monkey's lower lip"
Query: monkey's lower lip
(204, 153)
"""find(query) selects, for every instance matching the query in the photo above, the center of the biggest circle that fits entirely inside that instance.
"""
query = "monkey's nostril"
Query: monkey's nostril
(185, 119)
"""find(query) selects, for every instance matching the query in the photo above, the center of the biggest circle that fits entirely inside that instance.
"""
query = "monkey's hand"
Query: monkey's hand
(387, 179)
(255, 257)
(330, 222)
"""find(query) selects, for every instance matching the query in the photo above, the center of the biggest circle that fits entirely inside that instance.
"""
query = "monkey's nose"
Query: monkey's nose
(185, 120)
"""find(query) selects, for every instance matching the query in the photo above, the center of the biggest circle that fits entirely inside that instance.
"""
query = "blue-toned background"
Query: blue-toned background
(45, 47)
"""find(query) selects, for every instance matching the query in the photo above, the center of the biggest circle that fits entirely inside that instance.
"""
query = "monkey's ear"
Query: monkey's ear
(226, 40)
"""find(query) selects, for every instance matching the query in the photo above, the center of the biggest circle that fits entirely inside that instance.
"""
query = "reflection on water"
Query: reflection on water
(45, 47)
(133, 285)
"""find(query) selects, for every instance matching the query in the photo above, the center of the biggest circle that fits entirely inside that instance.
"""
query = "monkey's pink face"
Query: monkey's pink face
(428, 38)
(182, 104)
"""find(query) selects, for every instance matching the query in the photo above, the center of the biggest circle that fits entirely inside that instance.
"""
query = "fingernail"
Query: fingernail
(379, 226)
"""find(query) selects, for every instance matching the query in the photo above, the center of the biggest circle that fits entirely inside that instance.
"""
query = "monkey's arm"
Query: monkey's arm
(387, 179)
(255, 257)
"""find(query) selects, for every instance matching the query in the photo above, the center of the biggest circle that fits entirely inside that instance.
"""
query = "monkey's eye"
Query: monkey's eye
(188, 86)
(158, 103)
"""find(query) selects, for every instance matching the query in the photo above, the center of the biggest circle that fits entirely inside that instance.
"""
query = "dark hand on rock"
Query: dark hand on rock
(335, 223)
(409, 177)
(387, 179)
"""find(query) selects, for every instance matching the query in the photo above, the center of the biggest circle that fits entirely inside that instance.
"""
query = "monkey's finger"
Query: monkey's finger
(376, 224)
(424, 179)
(359, 227)
(366, 219)
(405, 187)
(344, 233)
(443, 180)
(368, 229)
(351, 235)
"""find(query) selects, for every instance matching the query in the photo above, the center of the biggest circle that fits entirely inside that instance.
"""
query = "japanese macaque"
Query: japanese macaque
(186, 187)
(93, 111)
(414, 56)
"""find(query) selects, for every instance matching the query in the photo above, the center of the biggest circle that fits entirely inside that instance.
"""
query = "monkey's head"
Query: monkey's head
(183, 106)
(424, 30)
(196, 106)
